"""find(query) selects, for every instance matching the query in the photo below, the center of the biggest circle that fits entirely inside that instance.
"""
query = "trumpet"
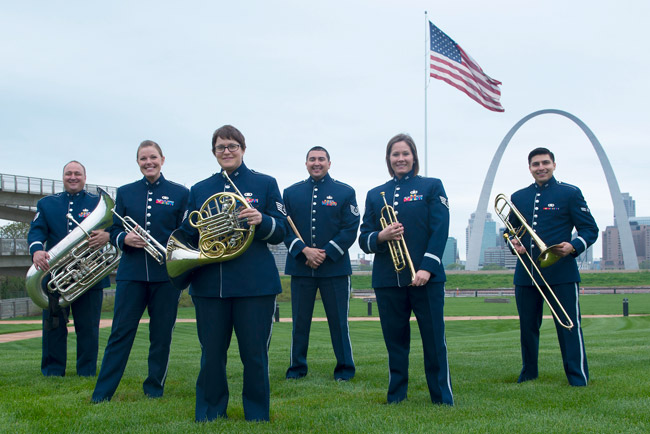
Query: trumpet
(504, 208)
(222, 236)
(399, 252)
(152, 247)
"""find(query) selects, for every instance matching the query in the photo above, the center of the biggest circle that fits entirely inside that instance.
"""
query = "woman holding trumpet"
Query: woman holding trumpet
(406, 225)
(146, 213)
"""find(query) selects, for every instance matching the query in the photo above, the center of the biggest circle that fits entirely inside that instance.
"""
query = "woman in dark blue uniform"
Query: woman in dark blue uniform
(157, 206)
(240, 293)
(422, 209)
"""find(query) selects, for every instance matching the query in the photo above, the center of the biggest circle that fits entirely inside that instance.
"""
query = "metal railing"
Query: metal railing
(11, 246)
(42, 186)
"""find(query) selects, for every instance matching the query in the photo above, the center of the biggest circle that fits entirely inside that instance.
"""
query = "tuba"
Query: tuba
(398, 251)
(222, 236)
(504, 208)
(74, 266)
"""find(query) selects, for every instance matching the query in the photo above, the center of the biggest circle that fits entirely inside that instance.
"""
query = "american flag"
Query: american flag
(451, 64)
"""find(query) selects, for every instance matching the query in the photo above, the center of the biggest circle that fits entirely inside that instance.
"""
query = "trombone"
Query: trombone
(398, 251)
(152, 247)
(504, 208)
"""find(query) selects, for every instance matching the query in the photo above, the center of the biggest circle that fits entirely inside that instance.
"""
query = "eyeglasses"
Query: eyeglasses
(232, 147)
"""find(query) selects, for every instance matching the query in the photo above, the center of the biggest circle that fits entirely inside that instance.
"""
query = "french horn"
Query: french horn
(222, 236)
(75, 267)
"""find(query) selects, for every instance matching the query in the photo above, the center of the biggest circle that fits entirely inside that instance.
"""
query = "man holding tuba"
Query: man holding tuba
(552, 209)
(49, 227)
(237, 293)
(326, 218)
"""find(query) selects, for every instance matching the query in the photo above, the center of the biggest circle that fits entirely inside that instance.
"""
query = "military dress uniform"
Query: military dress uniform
(240, 294)
(421, 206)
(553, 210)
(326, 215)
(48, 228)
(159, 208)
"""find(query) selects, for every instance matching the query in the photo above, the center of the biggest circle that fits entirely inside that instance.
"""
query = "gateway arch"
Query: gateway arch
(625, 233)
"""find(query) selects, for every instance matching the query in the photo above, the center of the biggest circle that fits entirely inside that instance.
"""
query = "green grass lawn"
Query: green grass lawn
(484, 359)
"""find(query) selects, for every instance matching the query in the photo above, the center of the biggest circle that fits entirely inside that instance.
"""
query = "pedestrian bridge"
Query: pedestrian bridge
(19, 194)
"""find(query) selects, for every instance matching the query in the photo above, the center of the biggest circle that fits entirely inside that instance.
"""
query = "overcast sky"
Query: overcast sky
(91, 80)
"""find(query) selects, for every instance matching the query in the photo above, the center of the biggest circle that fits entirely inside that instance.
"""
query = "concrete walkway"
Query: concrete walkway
(12, 337)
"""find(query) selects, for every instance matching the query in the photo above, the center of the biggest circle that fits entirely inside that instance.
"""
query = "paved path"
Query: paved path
(11, 337)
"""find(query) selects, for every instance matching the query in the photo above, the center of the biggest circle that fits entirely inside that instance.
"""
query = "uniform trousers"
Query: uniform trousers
(335, 294)
(530, 305)
(427, 302)
(131, 298)
(252, 320)
(86, 312)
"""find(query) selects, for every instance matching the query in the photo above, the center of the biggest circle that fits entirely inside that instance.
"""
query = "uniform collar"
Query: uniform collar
(320, 181)
(237, 172)
(548, 184)
(75, 195)
(404, 178)
(158, 181)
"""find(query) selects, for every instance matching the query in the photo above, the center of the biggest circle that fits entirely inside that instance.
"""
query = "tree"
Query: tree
(455, 266)
(644, 265)
(17, 230)
(487, 267)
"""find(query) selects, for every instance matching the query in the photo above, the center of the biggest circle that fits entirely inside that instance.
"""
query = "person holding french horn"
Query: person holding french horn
(232, 216)
(406, 225)
(146, 212)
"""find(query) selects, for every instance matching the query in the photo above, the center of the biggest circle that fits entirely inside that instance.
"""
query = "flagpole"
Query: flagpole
(426, 78)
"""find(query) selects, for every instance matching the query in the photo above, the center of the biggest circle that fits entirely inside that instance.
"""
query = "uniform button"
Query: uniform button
(71, 202)
(314, 203)
(314, 245)
(313, 220)
(538, 194)
(395, 203)
(536, 208)
(148, 231)
(227, 185)
(150, 199)
(148, 223)
(313, 236)
(148, 206)
(69, 223)
(148, 214)
(313, 211)
(150, 192)
(535, 215)
(534, 223)
(70, 210)
(397, 188)
(315, 196)
(396, 194)
(396, 212)
(536, 200)
(313, 228)
(316, 189)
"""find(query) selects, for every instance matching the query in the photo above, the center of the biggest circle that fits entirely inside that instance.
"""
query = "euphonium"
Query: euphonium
(152, 247)
(546, 258)
(399, 252)
(222, 236)
(74, 266)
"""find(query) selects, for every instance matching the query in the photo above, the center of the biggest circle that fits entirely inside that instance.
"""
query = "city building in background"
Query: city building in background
(489, 236)
(450, 256)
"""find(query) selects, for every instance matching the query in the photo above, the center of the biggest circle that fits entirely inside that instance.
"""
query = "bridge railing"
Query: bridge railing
(11, 246)
(42, 186)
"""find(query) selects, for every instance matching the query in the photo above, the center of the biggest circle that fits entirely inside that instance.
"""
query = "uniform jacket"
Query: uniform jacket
(327, 217)
(159, 209)
(50, 225)
(254, 272)
(553, 210)
(422, 207)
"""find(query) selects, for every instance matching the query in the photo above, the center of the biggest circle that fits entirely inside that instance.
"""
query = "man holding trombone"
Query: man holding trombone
(551, 210)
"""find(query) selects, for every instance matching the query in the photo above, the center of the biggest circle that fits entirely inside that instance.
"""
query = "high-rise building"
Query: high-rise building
(450, 255)
(612, 253)
(489, 235)
(630, 206)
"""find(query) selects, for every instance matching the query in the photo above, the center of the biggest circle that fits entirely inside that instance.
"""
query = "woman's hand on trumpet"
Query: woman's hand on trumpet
(392, 232)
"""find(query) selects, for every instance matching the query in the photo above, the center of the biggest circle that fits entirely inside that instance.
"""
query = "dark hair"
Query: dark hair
(409, 141)
(318, 148)
(230, 133)
(74, 161)
(146, 144)
(540, 151)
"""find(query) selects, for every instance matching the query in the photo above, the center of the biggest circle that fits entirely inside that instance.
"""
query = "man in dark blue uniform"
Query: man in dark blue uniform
(326, 216)
(49, 227)
(238, 294)
(422, 210)
(552, 209)
(157, 206)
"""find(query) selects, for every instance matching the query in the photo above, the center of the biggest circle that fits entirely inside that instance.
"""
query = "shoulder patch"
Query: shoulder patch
(444, 201)
(281, 208)
(354, 210)
(36, 216)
